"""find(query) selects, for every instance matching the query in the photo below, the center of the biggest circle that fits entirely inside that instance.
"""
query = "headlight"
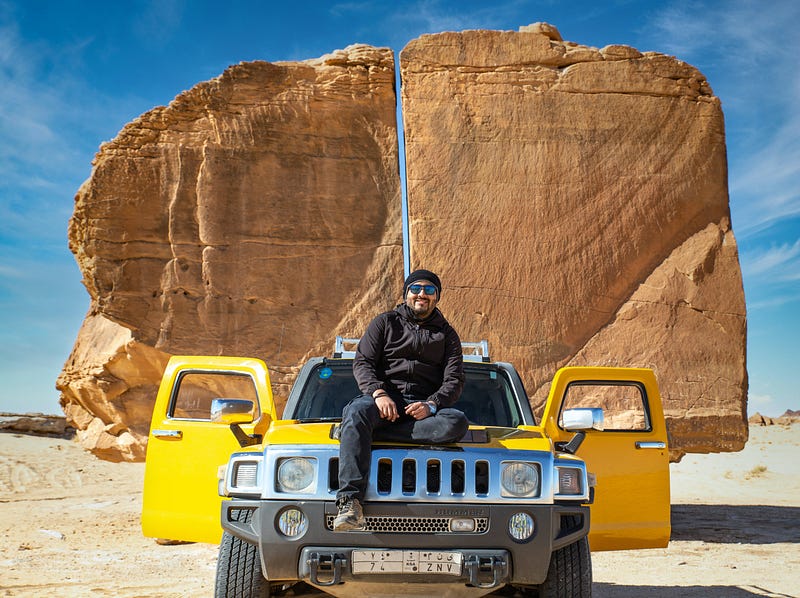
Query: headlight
(295, 474)
(520, 479)
(569, 480)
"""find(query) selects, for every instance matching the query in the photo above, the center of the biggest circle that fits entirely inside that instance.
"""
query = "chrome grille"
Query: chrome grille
(423, 474)
(412, 525)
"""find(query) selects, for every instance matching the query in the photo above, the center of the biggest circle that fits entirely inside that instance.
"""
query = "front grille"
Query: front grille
(412, 525)
(428, 474)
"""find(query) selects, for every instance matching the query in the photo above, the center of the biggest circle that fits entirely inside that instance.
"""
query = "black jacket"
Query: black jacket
(410, 359)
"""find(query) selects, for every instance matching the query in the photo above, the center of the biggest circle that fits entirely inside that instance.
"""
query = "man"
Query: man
(409, 367)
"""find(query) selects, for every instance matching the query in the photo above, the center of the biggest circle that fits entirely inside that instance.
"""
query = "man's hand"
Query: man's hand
(386, 407)
(418, 410)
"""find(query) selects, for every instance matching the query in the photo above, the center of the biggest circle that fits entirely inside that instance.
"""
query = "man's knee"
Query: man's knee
(460, 424)
(361, 408)
(455, 424)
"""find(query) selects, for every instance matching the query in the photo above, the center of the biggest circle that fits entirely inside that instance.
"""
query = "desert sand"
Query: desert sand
(70, 527)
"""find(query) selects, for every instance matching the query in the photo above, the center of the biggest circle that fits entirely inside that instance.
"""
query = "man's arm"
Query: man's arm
(365, 368)
(453, 378)
(369, 352)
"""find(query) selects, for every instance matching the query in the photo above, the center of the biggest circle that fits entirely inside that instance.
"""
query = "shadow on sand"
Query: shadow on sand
(733, 524)
(610, 590)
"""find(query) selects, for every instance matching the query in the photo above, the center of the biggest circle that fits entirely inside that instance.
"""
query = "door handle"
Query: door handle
(651, 445)
(171, 434)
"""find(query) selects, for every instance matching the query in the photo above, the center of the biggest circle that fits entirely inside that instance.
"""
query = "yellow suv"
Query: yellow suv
(515, 502)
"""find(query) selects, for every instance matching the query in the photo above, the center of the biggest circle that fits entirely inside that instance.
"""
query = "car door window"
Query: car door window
(624, 405)
(195, 391)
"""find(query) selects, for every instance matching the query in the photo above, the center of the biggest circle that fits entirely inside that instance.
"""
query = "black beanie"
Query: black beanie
(423, 275)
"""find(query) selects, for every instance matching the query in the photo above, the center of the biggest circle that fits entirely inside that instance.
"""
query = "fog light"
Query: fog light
(521, 527)
(462, 525)
(292, 523)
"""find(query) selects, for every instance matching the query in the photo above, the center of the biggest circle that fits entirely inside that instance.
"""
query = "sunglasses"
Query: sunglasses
(416, 289)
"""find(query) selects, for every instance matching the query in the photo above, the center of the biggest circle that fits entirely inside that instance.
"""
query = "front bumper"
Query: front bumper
(322, 556)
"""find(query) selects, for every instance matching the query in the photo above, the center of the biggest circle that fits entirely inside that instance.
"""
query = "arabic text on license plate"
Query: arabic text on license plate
(407, 561)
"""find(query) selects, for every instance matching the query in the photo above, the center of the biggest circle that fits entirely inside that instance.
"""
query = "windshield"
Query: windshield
(487, 398)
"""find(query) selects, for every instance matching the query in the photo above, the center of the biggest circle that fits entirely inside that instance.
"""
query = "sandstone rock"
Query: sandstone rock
(575, 204)
(36, 424)
(759, 420)
(573, 200)
(258, 214)
(545, 29)
(108, 387)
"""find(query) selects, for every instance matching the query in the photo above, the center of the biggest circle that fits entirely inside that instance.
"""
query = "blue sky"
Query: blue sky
(72, 73)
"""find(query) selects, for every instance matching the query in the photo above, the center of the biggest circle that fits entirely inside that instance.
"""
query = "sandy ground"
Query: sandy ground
(70, 527)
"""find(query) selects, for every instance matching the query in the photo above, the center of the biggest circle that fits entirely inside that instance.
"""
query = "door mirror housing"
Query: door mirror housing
(232, 411)
(582, 419)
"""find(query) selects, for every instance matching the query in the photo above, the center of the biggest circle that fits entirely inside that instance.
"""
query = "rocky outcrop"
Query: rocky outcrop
(258, 214)
(36, 424)
(574, 201)
(788, 418)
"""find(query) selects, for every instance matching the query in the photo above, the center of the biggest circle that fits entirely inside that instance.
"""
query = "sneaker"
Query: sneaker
(350, 517)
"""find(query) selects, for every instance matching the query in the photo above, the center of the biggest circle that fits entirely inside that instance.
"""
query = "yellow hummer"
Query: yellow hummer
(517, 503)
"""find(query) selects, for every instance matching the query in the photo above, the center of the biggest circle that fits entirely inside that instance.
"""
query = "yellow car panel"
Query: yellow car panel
(185, 449)
(629, 458)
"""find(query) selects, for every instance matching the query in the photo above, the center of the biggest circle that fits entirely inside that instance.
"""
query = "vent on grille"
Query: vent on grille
(412, 525)
(431, 475)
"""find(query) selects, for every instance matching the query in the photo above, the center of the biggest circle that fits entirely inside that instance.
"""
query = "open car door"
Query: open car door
(185, 449)
(629, 457)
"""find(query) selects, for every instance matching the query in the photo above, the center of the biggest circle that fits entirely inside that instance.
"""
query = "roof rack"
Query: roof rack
(338, 347)
(478, 351)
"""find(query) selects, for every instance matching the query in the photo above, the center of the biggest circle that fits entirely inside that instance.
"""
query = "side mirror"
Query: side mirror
(232, 411)
(582, 419)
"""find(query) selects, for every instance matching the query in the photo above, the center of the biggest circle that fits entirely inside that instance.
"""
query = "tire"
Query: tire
(570, 572)
(239, 570)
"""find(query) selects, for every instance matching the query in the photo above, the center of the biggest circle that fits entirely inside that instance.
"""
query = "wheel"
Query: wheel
(570, 572)
(239, 570)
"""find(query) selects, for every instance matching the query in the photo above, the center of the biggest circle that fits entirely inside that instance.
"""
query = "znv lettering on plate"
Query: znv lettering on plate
(406, 561)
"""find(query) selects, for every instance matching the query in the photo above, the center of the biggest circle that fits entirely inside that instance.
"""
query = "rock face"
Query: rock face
(574, 202)
(258, 214)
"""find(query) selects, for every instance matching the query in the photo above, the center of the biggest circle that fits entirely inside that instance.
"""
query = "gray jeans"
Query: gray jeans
(362, 423)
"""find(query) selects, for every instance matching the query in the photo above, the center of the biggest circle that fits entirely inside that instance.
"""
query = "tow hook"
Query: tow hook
(328, 564)
(475, 564)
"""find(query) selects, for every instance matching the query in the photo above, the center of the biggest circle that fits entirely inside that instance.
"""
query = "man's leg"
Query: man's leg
(359, 419)
(448, 425)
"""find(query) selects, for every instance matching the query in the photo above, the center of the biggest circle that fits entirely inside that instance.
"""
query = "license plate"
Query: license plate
(407, 561)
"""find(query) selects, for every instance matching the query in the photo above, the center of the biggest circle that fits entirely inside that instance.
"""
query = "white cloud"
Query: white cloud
(753, 51)
(159, 21)
(781, 261)
(46, 139)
